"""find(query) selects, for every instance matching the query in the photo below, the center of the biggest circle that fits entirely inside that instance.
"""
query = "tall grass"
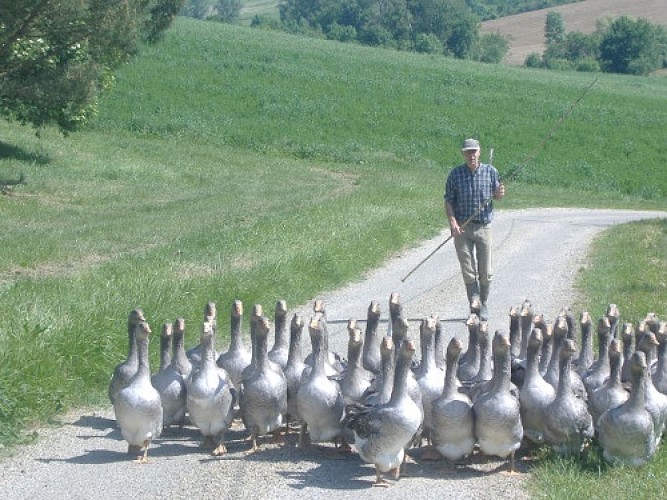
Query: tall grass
(230, 163)
(316, 99)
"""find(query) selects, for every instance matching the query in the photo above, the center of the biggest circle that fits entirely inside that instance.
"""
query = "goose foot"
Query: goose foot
(254, 447)
(304, 437)
(220, 450)
(143, 459)
(379, 480)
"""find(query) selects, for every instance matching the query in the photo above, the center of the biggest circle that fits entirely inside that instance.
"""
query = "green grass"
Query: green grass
(231, 163)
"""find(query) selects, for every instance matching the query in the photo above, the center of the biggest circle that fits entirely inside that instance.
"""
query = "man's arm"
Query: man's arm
(453, 223)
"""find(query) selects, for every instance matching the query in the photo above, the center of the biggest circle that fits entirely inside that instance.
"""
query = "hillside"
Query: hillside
(526, 31)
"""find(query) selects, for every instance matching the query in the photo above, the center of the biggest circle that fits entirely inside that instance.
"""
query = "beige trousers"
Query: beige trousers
(473, 248)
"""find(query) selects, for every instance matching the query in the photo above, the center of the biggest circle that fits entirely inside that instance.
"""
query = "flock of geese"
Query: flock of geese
(536, 383)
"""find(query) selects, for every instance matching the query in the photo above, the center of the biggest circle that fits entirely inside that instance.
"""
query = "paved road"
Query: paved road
(537, 255)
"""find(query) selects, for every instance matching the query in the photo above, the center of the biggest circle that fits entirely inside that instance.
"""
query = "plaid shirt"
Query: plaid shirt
(466, 191)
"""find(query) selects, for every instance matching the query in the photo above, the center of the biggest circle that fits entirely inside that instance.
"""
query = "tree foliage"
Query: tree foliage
(58, 56)
(403, 24)
(633, 46)
(623, 45)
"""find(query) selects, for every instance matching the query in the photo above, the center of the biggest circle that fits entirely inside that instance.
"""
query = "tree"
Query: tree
(451, 21)
(554, 28)
(491, 48)
(632, 46)
(228, 11)
(58, 56)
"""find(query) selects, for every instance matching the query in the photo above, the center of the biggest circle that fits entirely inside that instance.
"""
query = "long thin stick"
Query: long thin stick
(511, 175)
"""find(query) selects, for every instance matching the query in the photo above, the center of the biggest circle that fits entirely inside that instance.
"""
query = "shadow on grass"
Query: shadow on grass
(9, 151)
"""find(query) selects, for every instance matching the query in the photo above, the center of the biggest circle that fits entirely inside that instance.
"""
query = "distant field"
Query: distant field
(526, 30)
(251, 8)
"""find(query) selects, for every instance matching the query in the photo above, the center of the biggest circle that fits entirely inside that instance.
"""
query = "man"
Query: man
(468, 187)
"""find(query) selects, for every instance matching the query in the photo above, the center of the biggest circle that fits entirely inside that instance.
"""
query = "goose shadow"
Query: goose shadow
(474, 466)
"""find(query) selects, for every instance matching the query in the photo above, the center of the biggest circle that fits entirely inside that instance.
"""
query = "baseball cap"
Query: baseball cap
(469, 144)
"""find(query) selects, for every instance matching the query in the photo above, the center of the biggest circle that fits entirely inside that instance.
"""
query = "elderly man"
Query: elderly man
(469, 192)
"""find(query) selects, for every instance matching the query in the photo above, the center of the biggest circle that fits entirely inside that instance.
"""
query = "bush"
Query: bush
(491, 48)
(342, 33)
(533, 60)
(427, 43)
(588, 64)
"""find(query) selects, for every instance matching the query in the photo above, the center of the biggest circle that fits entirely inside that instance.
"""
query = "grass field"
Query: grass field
(229, 163)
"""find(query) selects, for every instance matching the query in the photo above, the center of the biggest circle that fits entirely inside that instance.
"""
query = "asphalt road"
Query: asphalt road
(537, 255)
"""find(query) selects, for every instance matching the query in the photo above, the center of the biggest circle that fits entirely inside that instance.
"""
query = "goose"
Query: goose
(600, 370)
(383, 432)
(280, 350)
(333, 363)
(168, 382)
(659, 377)
(440, 358)
(452, 426)
(356, 380)
(400, 335)
(611, 393)
(395, 310)
(263, 394)
(137, 406)
(536, 394)
(656, 402)
(294, 368)
(652, 322)
(567, 313)
(371, 349)
(195, 353)
(568, 426)
(526, 316)
(552, 375)
(480, 382)
(613, 315)
(210, 397)
(626, 432)
(628, 336)
(124, 371)
(166, 340)
(547, 341)
(469, 362)
(179, 359)
(497, 414)
(515, 333)
(319, 399)
(256, 316)
(237, 357)
(586, 358)
(430, 378)
(379, 392)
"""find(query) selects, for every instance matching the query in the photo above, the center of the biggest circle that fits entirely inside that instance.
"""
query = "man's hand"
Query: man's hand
(454, 227)
(499, 193)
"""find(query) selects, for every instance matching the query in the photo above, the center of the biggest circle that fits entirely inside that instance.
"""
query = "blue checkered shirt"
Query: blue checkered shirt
(466, 191)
